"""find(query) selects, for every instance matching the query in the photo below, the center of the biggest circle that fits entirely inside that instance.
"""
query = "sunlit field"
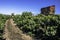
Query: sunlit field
(37, 26)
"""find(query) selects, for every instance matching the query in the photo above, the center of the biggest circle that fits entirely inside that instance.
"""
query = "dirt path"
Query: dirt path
(12, 32)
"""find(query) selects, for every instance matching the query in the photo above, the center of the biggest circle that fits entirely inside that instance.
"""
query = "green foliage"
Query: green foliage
(39, 26)
(3, 19)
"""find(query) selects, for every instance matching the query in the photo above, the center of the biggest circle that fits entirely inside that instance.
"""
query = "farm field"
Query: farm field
(39, 26)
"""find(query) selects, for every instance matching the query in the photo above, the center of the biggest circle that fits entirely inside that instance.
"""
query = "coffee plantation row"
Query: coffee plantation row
(38, 26)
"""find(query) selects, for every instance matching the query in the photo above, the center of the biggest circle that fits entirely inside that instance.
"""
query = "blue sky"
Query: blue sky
(34, 6)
